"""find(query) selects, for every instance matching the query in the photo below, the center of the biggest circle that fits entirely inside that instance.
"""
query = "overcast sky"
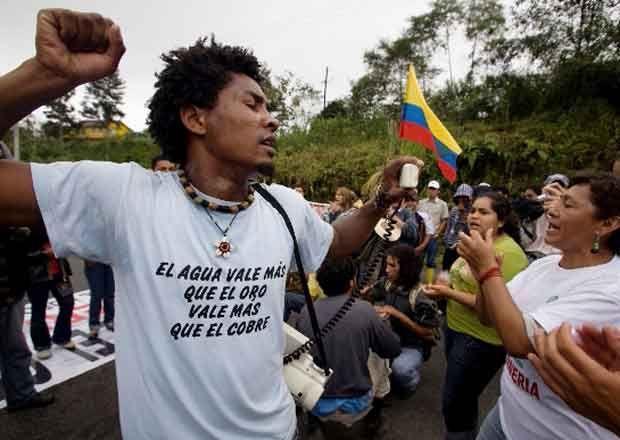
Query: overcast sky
(302, 37)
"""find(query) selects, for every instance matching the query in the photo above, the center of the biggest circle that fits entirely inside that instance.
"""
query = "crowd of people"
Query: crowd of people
(518, 269)
(529, 285)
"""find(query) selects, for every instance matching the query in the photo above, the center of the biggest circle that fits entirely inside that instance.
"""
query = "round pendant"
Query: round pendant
(223, 247)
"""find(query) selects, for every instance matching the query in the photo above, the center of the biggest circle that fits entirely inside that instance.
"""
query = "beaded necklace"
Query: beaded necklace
(223, 247)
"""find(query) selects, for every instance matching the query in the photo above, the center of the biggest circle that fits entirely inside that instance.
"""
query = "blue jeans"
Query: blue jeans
(431, 252)
(492, 427)
(38, 294)
(471, 364)
(15, 356)
(406, 369)
(101, 283)
(349, 405)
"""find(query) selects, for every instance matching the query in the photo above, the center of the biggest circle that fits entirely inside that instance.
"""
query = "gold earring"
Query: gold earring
(596, 244)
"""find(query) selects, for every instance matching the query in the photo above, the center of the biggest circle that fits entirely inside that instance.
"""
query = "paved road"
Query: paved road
(87, 406)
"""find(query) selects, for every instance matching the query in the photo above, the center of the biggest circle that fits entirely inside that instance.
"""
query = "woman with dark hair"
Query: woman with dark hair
(582, 285)
(474, 350)
(395, 297)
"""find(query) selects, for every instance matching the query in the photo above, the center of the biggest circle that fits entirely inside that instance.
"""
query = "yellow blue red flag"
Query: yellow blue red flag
(419, 124)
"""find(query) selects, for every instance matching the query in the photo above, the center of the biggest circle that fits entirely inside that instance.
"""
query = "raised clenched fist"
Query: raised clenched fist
(78, 47)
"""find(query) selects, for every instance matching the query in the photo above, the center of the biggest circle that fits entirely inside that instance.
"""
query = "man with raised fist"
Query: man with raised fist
(198, 257)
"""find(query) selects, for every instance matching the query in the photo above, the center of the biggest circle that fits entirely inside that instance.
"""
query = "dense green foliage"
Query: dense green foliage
(104, 98)
(541, 95)
(514, 154)
(140, 149)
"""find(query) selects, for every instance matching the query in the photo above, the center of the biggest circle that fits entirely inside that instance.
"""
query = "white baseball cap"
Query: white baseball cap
(433, 184)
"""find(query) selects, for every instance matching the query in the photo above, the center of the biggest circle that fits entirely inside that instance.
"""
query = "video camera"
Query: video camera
(528, 210)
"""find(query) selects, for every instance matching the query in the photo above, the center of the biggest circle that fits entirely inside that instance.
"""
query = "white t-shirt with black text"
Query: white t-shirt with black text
(553, 295)
(199, 336)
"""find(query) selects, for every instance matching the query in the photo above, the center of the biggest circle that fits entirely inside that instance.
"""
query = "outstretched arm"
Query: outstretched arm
(71, 49)
(498, 305)
(352, 231)
(438, 291)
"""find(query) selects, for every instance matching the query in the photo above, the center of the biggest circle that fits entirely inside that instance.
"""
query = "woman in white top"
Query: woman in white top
(582, 285)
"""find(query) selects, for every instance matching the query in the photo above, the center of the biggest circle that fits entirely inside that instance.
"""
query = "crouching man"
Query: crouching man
(349, 392)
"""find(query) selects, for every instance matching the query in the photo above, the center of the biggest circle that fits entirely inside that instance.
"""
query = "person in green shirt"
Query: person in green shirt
(474, 351)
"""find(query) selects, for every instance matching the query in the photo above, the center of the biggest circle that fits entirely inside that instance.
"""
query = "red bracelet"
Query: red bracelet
(491, 273)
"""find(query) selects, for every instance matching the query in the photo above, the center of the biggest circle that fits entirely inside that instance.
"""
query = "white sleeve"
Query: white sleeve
(316, 239)
(518, 283)
(595, 307)
(313, 234)
(81, 204)
(530, 328)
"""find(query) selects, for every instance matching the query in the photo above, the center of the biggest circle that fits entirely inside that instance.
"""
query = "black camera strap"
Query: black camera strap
(300, 270)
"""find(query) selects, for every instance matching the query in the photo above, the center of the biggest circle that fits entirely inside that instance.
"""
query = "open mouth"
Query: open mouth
(270, 143)
(552, 227)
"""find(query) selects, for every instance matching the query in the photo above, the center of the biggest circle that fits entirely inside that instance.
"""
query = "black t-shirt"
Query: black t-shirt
(17, 247)
(396, 296)
(13, 264)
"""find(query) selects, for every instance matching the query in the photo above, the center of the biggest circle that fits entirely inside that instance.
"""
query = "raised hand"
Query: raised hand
(334, 207)
(436, 291)
(77, 47)
(583, 382)
(553, 194)
(392, 192)
(478, 251)
(602, 345)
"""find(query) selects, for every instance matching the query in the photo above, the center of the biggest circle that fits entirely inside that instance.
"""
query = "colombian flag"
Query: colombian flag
(419, 124)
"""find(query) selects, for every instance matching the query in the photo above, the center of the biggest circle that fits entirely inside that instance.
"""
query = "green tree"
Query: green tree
(554, 31)
(274, 95)
(60, 116)
(446, 14)
(484, 23)
(335, 109)
(291, 100)
(104, 98)
(368, 94)
(380, 90)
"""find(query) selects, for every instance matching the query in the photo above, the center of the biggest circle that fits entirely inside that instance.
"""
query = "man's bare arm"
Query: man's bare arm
(71, 49)
(18, 204)
(499, 307)
(352, 231)
(25, 89)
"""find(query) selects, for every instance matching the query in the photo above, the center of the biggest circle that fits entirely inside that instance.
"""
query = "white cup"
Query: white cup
(409, 176)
